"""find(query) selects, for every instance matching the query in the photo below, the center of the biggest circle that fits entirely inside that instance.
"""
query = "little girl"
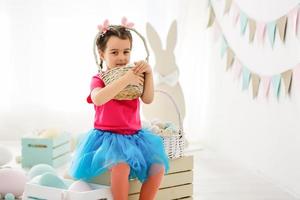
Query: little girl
(117, 142)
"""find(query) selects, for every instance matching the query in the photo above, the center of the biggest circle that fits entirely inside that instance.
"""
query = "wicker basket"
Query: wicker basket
(128, 93)
(174, 144)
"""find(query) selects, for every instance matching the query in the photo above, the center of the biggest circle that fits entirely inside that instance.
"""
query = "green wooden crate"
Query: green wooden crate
(51, 151)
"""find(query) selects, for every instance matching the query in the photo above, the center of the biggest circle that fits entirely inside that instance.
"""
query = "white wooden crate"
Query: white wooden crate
(176, 184)
(37, 192)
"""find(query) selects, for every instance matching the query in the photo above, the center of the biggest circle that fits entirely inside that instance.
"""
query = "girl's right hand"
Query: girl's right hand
(133, 78)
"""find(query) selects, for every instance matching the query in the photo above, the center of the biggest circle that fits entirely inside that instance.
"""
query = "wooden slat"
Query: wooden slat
(177, 165)
(169, 180)
(170, 193)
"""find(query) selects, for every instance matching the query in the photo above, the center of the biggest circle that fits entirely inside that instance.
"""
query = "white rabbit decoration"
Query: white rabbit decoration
(166, 75)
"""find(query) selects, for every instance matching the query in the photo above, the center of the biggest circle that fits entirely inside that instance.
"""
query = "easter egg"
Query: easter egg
(49, 133)
(39, 170)
(6, 155)
(9, 196)
(14, 183)
(79, 186)
(51, 180)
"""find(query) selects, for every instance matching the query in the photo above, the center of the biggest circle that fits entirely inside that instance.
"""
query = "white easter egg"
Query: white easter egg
(50, 133)
(79, 186)
(6, 155)
(14, 183)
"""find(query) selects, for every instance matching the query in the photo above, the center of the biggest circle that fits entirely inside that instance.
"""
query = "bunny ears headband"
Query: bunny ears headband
(103, 28)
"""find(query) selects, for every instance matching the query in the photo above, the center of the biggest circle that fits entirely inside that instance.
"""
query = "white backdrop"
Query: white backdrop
(47, 62)
(261, 133)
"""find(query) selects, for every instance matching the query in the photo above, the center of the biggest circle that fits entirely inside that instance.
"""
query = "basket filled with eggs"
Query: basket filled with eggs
(172, 135)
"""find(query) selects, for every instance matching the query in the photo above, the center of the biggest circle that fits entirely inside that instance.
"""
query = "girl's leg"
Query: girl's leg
(119, 181)
(151, 186)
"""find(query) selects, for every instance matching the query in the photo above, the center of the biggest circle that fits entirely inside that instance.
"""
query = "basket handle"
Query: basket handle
(175, 105)
(132, 29)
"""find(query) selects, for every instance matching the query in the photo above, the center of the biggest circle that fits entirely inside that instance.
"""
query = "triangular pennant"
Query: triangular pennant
(296, 75)
(235, 13)
(255, 84)
(260, 31)
(293, 19)
(227, 6)
(224, 46)
(298, 23)
(266, 80)
(287, 79)
(237, 68)
(281, 25)
(216, 32)
(230, 58)
(276, 79)
(212, 17)
(244, 22)
(252, 28)
(246, 78)
(271, 26)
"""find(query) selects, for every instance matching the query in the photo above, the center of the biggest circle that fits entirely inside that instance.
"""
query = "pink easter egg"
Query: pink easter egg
(14, 181)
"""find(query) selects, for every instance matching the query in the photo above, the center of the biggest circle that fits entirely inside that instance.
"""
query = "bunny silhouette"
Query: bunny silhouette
(166, 75)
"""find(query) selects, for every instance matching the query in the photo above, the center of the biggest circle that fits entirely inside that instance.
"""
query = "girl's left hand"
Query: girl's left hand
(142, 67)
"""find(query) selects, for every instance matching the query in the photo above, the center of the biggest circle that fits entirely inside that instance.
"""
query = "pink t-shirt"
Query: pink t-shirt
(119, 116)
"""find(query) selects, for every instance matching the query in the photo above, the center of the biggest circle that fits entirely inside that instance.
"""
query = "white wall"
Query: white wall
(47, 61)
(263, 134)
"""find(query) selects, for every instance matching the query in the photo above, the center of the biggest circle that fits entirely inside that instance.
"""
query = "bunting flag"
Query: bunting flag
(246, 78)
(237, 68)
(296, 75)
(259, 30)
(244, 21)
(230, 58)
(266, 80)
(224, 46)
(227, 6)
(252, 28)
(280, 24)
(211, 17)
(255, 85)
(293, 17)
(287, 79)
(289, 76)
(276, 79)
(235, 14)
(271, 27)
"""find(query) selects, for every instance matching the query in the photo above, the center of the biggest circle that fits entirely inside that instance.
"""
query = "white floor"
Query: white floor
(216, 178)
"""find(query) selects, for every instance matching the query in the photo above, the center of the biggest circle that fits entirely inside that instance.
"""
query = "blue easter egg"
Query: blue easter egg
(52, 180)
(9, 196)
(40, 169)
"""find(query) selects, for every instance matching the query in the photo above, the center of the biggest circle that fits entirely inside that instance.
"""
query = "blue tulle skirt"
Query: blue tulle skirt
(100, 150)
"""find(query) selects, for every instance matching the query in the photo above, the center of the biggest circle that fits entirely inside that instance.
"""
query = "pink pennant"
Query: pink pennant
(296, 75)
(234, 13)
(266, 80)
(236, 68)
(216, 32)
(293, 17)
(261, 31)
(298, 22)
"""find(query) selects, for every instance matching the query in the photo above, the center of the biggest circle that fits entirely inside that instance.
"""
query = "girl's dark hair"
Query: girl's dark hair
(114, 30)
